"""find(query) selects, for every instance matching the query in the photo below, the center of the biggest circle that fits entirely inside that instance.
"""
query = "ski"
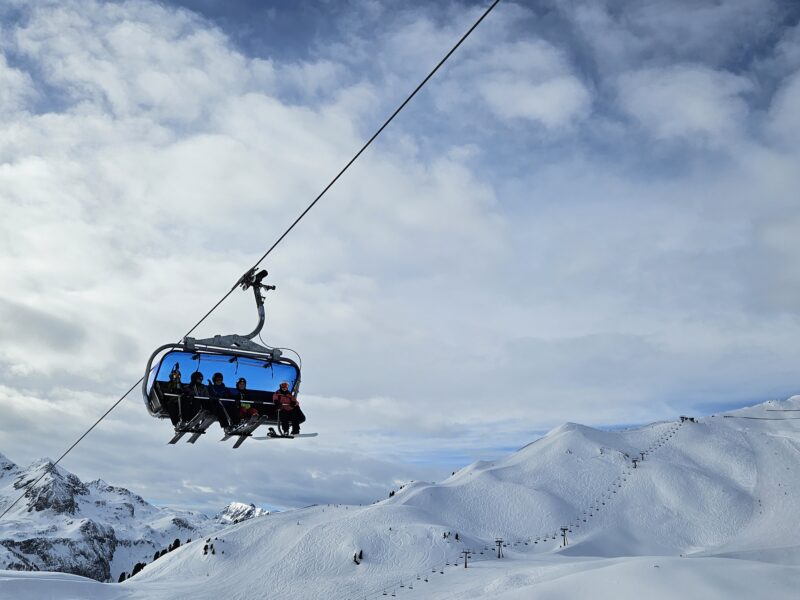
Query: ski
(246, 430)
(178, 435)
(242, 428)
(284, 437)
(190, 427)
(241, 439)
(207, 422)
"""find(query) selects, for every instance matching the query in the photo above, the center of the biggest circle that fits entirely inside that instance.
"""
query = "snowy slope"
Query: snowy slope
(710, 513)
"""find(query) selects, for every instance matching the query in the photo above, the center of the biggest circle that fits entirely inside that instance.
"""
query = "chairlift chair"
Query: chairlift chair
(264, 367)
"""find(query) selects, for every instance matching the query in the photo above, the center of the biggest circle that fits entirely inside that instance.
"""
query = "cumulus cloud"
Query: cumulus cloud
(784, 122)
(686, 102)
(16, 87)
(653, 34)
(533, 81)
(132, 59)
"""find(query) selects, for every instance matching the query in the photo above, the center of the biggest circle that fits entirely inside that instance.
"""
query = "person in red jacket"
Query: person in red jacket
(289, 410)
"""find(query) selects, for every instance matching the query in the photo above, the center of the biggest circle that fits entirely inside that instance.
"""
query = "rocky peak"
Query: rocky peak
(92, 529)
(239, 511)
(104, 488)
(6, 466)
(57, 491)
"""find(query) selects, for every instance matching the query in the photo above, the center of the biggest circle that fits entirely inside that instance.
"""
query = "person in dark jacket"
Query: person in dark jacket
(194, 395)
(289, 409)
(196, 388)
(173, 391)
(218, 402)
(244, 410)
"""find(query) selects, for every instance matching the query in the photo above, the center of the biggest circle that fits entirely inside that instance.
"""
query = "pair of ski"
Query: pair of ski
(197, 426)
(272, 435)
(246, 429)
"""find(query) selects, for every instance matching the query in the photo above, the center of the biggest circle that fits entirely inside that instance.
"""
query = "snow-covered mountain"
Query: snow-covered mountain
(236, 512)
(711, 512)
(91, 529)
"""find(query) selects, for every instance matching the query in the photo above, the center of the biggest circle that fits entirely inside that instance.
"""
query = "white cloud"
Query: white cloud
(505, 71)
(16, 88)
(553, 103)
(687, 102)
(527, 80)
(620, 36)
(310, 79)
(135, 58)
(784, 118)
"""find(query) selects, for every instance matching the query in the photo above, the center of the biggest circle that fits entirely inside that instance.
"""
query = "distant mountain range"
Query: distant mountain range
(91, 529)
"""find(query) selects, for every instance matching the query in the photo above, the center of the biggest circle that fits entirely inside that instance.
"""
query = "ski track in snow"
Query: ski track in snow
(711, 513)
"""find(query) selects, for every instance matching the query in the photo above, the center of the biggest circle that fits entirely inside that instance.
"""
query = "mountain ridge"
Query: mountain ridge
(92, 529)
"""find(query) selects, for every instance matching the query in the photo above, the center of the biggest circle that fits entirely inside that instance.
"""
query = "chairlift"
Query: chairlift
(264, 368)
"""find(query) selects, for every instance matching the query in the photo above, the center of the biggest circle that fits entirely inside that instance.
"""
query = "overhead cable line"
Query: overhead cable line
(278, 241)
(762, 418)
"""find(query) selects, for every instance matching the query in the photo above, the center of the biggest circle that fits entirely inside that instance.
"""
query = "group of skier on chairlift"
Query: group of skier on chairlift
(231, 407)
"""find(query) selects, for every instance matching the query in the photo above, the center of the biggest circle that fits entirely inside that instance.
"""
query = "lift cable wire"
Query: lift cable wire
(762, 418)
(274, 245)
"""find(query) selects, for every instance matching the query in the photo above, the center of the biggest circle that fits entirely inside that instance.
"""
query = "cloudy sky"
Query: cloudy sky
(592, 214)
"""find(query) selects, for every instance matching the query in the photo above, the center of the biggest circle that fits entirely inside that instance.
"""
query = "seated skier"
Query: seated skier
(217, 392)
(194, 394)
(288, 410)
(244, 410)
(173, 391)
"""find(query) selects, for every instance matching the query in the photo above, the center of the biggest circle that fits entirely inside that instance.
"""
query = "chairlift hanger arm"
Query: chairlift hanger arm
(253, 279)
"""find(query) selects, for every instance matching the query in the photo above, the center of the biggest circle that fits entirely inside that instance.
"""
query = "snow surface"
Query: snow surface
(711, 513)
